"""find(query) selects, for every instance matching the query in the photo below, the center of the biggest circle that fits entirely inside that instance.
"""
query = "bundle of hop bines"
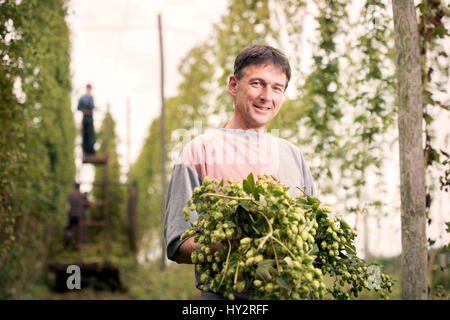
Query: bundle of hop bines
(275, 246)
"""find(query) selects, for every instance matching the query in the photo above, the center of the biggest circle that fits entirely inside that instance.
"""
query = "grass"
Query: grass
(177, 282)
(439, 279)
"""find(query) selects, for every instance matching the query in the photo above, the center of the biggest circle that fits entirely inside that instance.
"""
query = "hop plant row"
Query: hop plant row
(274, 246)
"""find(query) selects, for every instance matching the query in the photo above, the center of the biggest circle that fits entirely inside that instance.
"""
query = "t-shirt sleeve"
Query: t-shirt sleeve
(182, 184)
(308, 179)
(294, 171)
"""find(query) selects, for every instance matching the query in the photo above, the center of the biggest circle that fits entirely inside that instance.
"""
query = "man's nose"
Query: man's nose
(266, 93)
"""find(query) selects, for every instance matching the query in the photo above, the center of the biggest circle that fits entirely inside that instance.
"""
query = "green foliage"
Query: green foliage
(321, 89)
(246, 23)
(119, 241)
(119, 251)
(37, 134)
(191, 104)
(148, 282)
(274, 246)
(435, 72)
(368, 97)
(146, 172)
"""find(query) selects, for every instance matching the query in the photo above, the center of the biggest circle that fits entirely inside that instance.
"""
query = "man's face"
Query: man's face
(258, 95)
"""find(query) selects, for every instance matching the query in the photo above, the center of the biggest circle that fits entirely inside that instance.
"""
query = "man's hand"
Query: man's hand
(183, 254)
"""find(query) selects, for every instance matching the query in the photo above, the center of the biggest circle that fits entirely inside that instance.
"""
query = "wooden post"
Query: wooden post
(105, 186)
(412, 169)
(163, 147)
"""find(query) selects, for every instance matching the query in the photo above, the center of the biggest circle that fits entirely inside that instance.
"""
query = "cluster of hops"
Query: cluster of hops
(274, 246)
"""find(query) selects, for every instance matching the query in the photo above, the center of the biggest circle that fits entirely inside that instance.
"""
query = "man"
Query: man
(261, 75)
(86, 105)
(76, 203)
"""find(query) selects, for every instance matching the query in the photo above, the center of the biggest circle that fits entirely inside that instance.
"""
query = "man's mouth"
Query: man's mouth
(262, 108)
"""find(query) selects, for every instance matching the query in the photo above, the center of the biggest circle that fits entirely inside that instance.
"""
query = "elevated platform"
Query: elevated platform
(95, 159)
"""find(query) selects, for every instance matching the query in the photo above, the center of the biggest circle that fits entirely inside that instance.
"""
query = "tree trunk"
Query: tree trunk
(412, 172)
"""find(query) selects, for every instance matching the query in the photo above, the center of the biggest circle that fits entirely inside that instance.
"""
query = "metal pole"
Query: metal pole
(163, 146)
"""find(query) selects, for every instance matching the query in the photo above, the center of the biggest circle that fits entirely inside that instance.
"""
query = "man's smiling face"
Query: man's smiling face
(257, 95)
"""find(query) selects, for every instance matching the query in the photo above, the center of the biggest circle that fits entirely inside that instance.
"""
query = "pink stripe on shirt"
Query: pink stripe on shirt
(219, 154)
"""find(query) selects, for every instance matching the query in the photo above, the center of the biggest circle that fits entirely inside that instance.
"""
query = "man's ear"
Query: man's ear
(232, 85)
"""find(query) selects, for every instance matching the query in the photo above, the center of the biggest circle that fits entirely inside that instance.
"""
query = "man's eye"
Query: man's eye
(257, 84)
(277, 89)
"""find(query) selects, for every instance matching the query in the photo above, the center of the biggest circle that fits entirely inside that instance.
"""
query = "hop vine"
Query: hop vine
(274, 245)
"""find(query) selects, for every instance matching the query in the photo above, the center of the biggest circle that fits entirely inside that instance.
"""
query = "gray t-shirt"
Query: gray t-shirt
(229, 153)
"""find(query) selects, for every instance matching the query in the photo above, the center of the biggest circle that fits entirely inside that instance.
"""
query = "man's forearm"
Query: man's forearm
(183, 254)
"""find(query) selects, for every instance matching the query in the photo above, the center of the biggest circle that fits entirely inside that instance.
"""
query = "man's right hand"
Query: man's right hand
(183, 254)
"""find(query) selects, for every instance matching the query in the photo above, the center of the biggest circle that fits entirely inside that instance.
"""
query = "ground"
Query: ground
(176, 282)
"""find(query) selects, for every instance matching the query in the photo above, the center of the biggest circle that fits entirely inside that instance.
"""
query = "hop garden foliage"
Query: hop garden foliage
(275, 246)
(37, 135)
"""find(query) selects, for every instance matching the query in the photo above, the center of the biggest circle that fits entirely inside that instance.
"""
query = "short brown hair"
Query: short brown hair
(259, 54)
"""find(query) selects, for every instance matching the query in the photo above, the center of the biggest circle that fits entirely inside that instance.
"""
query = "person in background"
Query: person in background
(86, 105)
(75, 214)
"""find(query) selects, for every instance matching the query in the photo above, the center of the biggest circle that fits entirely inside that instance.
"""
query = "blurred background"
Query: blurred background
(340, 109)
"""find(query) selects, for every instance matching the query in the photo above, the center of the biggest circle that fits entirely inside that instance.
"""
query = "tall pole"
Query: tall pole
(106, 143)
(412, 170)
(163, 147)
